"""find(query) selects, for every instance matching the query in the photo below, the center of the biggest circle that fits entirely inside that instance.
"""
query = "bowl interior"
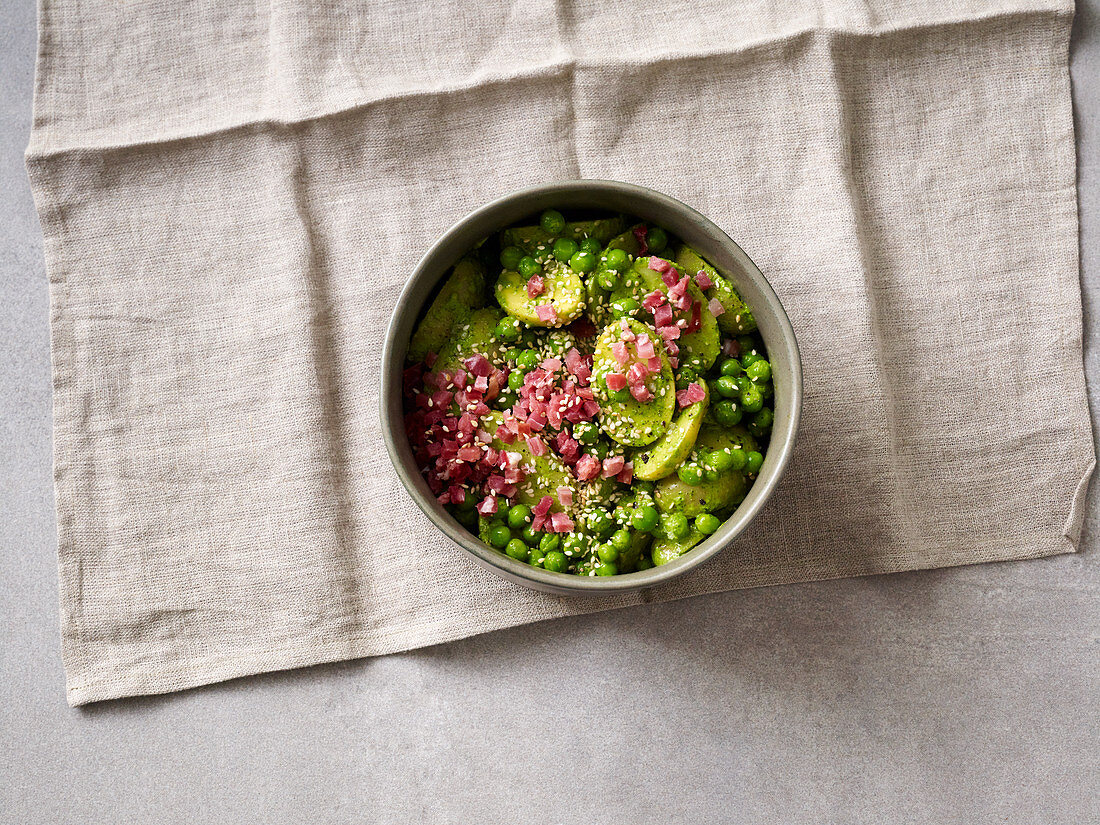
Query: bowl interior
(694, 229)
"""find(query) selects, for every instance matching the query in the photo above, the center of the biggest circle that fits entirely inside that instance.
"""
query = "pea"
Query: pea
(625, 307)
(722, 460)
(617, 260)
(608, 553)
(707, 524)
(592, 246)
(743, 382)
(564, 249)
(607, 280)
(515, 380)
(508, 330)
(531, 535)
(572, 544)
(599, 522)
(753, 461)
(676, 526)
(711, 474)
(690, 474)
(528, 266)
(583, 262)
(645, 519)
(645, 562)
(519, 516)
(510, 257)
(621, 540)
(550, 541)
(499, 536)
(528, 360)
(759, 371)
(536, 558)
(727, 413)
(727, 387)
(606, 569)
(502, 510)
(505, 400)
(657, 239)
(730, 368)
(517, 550)
(552, 222)
(762, 422)
(751, 399)
(555, 561)
(601, 450)
(747, 346)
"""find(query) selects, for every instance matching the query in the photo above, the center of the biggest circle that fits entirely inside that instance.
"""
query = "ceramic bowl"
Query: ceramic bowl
(680, 220)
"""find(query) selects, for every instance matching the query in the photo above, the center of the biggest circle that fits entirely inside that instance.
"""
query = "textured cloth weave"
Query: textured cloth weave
(232, 194)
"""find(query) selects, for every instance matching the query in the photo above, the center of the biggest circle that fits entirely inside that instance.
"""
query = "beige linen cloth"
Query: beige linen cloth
(233, 193)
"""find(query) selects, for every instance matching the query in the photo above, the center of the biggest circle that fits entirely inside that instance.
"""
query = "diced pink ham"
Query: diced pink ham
(561, 523)
(654, 364)
(616, 381)
(692, 395)
(536, 445)
(479, 365)
(612, 466)
(469, 453)
(547, 313)
(535, 286)
(715, 307)
(620, 353)
(636, 374)
(641, 393)
(481, 383)
(565, 496)
(641, 233)
(669, 333)
(645, 347)
(543, 507)
(488, 506)
(659, 264)
(702, 279)
(551, 365)
(588, 467)
(654, 300)
(662, 316)
(627, 475)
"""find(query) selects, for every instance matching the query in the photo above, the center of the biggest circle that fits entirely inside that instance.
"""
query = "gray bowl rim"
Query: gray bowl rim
(434, 265)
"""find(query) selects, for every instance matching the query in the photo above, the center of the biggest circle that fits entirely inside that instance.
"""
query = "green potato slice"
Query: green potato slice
(737, 319)
(461, 293)
(631, 422)
(669, 451)
(534, 240)
(564, 291)
(698, 349)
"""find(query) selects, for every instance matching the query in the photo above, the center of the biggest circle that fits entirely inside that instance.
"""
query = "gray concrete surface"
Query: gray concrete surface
(967, 695)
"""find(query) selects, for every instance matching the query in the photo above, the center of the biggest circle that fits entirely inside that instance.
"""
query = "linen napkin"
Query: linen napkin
(232, 194)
